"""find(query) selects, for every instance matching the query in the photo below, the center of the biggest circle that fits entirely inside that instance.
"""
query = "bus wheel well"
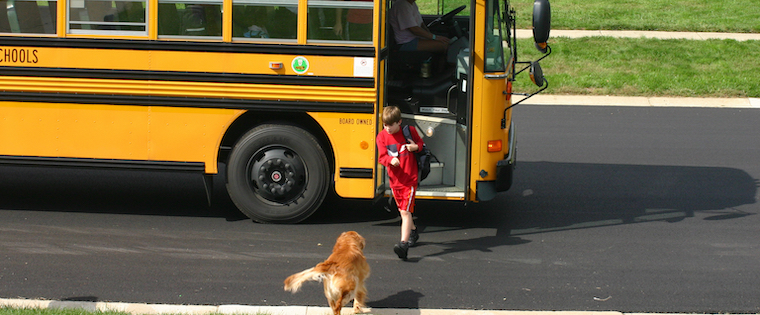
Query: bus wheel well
(251, 119)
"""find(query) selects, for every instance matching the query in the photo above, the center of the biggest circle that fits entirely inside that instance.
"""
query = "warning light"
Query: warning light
(275, 65)
(494, 146)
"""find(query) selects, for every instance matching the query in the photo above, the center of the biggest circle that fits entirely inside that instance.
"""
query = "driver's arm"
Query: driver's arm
(421, 32)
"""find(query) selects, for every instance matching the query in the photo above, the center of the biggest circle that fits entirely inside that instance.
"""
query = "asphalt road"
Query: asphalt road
(626, 209)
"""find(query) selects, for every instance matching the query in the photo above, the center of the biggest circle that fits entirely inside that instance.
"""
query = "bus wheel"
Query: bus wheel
(277, 174)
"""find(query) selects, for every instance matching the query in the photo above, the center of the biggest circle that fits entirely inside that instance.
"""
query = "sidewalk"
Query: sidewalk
(145, 309)
(644, 34)
(640, 101)
(544, 99)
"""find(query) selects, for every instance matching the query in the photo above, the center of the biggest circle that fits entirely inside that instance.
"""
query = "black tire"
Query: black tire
(278, 174)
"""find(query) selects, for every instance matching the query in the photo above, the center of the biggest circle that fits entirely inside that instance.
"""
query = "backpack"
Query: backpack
(423, 156)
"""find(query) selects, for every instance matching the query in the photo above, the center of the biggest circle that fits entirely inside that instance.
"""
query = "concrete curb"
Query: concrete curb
(640, 101)
(143, 308)
(644, 34)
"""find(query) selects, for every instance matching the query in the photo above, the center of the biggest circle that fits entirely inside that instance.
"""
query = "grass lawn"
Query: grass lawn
(739, 16)
(648, 67)
(45, 311)
(643, 67)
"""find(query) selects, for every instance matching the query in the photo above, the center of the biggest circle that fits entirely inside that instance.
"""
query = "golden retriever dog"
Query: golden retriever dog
(343, 274)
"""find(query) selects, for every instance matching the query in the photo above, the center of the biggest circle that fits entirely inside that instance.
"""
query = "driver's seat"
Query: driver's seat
(404, 62)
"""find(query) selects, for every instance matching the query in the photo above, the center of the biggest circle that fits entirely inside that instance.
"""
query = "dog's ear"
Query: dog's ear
(361, 241)
(358, 239)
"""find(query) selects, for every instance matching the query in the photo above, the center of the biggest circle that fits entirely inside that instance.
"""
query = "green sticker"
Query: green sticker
(300, 65)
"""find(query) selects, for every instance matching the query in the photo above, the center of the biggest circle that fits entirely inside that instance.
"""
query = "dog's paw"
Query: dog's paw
(362, 309)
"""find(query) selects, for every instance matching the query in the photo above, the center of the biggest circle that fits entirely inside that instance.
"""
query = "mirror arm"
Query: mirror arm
(548, 52)
(527, 96)
(523, 69)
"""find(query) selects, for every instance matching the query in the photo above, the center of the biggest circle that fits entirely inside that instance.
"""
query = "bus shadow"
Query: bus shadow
(545, 196)
(110, 191)
(549, 197)
(139, 192)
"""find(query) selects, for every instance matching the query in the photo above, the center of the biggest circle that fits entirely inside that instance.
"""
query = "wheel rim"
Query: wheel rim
(277, 175)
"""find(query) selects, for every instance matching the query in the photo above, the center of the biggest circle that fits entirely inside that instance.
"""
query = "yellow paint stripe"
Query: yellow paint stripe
(189, 89)
(184, 61)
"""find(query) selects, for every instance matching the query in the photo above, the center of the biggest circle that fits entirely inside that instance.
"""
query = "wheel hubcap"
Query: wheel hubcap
(277, 174)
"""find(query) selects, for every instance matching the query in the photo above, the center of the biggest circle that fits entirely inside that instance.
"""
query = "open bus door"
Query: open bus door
(429, 96)
(461, 107)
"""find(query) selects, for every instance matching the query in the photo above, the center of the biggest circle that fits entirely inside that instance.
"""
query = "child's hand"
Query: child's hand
(411, 146)
(395, 162)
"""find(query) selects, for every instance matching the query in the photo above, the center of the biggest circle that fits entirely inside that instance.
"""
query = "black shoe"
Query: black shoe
(401, 249)
(413, 237)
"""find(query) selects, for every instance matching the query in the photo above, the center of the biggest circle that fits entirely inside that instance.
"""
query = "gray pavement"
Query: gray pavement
(143, 308)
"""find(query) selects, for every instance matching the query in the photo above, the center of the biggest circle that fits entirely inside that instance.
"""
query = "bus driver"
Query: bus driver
(409, 30)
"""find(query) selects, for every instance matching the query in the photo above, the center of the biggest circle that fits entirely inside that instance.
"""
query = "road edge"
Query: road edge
(145, 309)
(640, 101)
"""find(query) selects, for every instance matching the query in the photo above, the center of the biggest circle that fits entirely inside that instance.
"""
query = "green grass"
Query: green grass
(648, 67)
(643, 67)
(431, 6)
(739, 16)
(46, 311)
(5, 310)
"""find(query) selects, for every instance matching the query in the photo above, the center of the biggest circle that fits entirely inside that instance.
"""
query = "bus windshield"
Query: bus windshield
(494, 37)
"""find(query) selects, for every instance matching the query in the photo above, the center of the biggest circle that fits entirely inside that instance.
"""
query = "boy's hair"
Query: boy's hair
(391, 115)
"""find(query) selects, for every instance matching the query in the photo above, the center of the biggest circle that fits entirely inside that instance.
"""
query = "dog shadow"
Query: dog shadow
(408, 299)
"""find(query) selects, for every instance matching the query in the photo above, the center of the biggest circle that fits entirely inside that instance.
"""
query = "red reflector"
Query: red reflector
(494, 146)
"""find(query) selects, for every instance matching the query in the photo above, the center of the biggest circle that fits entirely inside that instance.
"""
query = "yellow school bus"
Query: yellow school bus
(287, 94)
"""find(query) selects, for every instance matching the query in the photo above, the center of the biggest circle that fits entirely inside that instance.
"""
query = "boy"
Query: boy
(396, 154)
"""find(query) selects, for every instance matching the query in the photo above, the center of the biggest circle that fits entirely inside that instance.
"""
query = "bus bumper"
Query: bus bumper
(486, 190)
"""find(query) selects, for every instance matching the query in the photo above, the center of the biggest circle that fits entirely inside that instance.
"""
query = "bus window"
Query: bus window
(29, 17)
(121, 17)
(263, 19)
(191, 18)
(339, 20)
(495, 33)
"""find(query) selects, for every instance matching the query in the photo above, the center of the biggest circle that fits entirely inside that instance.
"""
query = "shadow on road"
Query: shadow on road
(113, 191)
(546, 196)
(573, 195)
(408, 299)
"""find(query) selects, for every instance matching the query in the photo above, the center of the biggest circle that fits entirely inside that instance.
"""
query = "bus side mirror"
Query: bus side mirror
(542, 20)
(536, 74)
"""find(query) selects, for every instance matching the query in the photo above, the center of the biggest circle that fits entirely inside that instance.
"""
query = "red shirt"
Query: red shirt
(393, 145)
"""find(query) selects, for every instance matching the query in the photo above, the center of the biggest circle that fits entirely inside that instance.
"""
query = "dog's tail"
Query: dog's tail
(294, 282)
